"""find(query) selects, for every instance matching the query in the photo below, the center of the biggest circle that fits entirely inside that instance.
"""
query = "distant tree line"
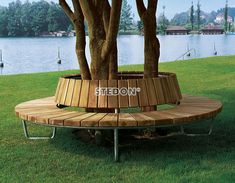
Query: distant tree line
(32, 19)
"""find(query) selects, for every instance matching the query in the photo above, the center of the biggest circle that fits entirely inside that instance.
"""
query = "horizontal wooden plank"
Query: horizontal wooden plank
(76, 121)
(191, 109)
(93, 120)
(110, 120)
(126, 120)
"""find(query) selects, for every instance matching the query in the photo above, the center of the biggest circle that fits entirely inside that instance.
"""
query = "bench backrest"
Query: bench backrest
(121, 93)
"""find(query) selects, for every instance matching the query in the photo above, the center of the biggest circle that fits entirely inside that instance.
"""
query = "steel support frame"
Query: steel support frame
(26, 133)
(182, 131)
(116, 134)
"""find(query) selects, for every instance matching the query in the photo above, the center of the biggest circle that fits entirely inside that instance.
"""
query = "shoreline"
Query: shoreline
(126, 65)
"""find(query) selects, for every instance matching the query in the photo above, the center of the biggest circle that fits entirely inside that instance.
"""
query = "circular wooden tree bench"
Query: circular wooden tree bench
(115, 96)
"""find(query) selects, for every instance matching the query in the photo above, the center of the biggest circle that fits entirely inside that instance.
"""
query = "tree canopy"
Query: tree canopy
(32, 19)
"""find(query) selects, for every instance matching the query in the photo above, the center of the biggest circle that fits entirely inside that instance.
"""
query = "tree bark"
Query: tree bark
(77, 19)
(103, 30)
(152, 45)
(151, 42)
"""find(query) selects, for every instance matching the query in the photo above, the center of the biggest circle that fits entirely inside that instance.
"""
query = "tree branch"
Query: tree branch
(106, 15)
(67, 10)
(81, 41)
(88, 10)
(152, 6)
(140, 7)
(113, 27)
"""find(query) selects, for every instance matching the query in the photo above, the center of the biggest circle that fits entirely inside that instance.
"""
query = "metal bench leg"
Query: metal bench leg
(36, 138)
(196, 135)
(116, 154)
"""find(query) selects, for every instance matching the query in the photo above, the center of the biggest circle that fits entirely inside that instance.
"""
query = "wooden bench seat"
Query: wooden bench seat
(44, 111)
(145, 93)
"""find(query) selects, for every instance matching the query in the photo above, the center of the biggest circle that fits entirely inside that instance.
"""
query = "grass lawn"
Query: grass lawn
(68, 159)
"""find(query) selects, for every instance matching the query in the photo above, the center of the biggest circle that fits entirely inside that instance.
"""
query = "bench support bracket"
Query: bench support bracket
(26, 133)
(182, 131)
(116, 153)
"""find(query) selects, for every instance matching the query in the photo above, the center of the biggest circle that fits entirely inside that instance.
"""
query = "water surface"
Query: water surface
(29, 55)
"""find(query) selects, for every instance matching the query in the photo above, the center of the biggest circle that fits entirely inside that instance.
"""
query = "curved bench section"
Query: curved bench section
(72, 91)
(44, 111)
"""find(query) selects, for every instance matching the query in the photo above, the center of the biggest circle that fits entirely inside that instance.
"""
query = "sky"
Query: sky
(172, 6)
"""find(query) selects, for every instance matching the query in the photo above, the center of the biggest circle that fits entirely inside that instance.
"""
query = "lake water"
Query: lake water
(29, 55)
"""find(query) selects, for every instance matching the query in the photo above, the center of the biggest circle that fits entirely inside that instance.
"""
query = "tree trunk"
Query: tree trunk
(151, 42)
(151, 47)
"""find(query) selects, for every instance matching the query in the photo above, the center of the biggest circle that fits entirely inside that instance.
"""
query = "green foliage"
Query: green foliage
(126, 21)
(180, 19)
(198, 15)
(140, 26)
(32, 19)
(163, 23)
(68, 159)
(192, 16)
(226, 17)
(3, 21)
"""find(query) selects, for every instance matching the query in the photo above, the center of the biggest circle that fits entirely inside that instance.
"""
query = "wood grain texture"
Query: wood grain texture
(123, 99)
(92, 97)
(69, 95)
(113, 100)
(133, 99)
(159, 91)
(151, 92)
(58, 89)
(103, 99)
(142, 95)
(192, 109)
(76, 93)
(109, 120)
(64, 91)
(84, 94)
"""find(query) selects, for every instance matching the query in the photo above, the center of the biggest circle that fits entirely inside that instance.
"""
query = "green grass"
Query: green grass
(67, 159)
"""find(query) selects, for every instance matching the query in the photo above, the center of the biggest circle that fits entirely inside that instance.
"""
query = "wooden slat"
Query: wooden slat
(64, 91)
(159, 119)
(58, 89)
(76, 121)
(174, 90)
(93, 120)
(126, 120)
(143, 98)
(60, 120)
(84, 93)
(69, 95)
(45, 118)
(24, 114)
(191, 109)
(76, 93)
(62, 86)
(123, 99)
(159, 91)
(143, 120)
(176, 117)
(93, 98)
(133, 100)
(165, 89)
(110, 120)
(112, 100)
(176, 83)
(103, 100)
(170, 89)
(152, 98)
(33, 117)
